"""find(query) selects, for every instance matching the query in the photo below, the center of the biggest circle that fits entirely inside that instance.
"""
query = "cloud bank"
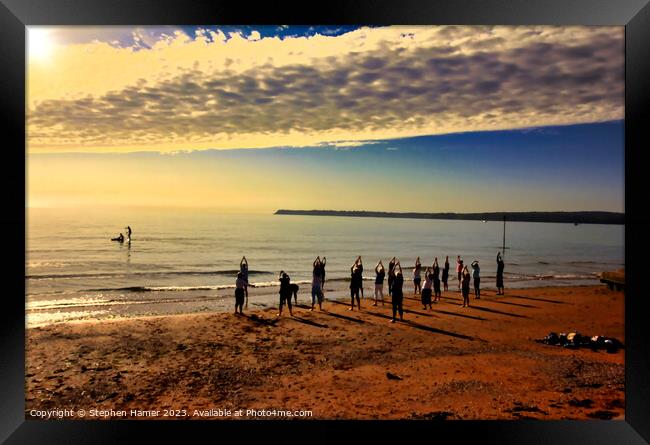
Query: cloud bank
(217, 91)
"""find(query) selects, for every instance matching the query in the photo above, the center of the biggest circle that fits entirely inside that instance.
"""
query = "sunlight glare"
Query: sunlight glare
(39, 44)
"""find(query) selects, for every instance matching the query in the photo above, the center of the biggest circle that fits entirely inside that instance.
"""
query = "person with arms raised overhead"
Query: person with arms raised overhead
(465, 286)
(436, 280)
(426, 290)
(243, 269)
(500, 267)
(397, 297)
(316, 270)
(316, 282)
(459, 271)
(391, 276)
(359, 264)
(476, 274)
(322, 275)
(445, 275)
(379, 283)
(355, 284)
(417, 279)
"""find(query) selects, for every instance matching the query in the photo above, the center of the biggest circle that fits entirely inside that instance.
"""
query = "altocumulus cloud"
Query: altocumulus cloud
(399, 84)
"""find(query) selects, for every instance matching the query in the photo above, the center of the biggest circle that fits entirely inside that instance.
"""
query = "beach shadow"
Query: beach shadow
(437, 331)
(342, 317)
(308, 322)
(494, 311)
(422, 327)
(419, 300)
(367, 303)
(332, 314)
(410, 311)
(473, 317)
(339, 302)
(259, 320)
(442, 298)
(536, 299)
(530, 306)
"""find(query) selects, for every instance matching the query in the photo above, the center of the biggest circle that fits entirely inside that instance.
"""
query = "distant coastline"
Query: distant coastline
(551, 217)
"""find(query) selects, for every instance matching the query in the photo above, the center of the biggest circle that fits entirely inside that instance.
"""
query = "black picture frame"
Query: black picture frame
(15, 15)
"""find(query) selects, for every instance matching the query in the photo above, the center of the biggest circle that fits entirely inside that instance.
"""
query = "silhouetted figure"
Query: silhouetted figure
(316, 267)
(379, 283)
(445, 274)
(397, 297)
(285, 292)
(128, 233)
(417, 288)
(359, 264)
(426, 290)
(355, 285)
(322, 275)
(240, 285)
(243, 269)
(316, 283)
(119, 239)
(476, 274)
(459, 270)
(391, 276)
(465, 286)
(500, 267)
(436, 280)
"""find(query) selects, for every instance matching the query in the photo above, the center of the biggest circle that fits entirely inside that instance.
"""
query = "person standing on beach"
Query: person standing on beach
(391, 276)
(379, 282)
(243, 269)
(355, 279)
(465, 286)
(459, 270)
(500, 267)
(436, 280)
(285, 292)
(397, 297)
(417, 288)
(316, 282)
(359, 264)
(240, 285)
(476, 274)
(445, 274)
(322, 276)
(426, 290)
(128, 233)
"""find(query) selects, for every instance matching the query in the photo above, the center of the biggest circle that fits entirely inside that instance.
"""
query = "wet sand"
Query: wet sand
(451, 362)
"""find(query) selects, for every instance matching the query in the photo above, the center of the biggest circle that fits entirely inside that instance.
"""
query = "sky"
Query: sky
(255, 118)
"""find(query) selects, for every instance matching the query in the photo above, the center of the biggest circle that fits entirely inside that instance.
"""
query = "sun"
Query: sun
(39, 44)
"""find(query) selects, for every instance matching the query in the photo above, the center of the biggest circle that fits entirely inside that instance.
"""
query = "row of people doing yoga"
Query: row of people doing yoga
(432, 282)
(395, 279)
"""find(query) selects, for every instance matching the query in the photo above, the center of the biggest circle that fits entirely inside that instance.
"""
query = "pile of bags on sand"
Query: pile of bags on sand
(575, 340)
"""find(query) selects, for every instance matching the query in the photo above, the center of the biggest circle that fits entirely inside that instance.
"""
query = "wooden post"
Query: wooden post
(504, 237)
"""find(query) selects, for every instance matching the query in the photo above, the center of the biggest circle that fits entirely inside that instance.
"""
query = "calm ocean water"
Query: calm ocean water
(185, 260)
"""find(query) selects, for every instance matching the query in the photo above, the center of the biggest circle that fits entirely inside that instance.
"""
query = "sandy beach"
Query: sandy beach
(450, 362)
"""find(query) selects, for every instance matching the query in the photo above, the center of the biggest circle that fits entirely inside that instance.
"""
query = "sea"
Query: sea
(186, 260)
